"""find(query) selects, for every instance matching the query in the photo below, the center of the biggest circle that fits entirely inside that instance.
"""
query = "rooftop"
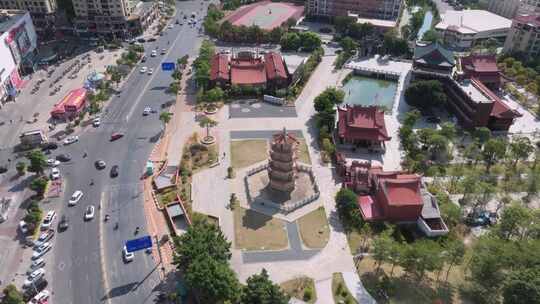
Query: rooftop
(532, 20)
(480, 63)
(472, 89)
(402, 192)
(362, 123)
(9, 18)
(472, 21)
(433, 54)
(375, 22)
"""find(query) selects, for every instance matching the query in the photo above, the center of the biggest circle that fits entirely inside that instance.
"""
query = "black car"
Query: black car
(63, 157)
(100, 164)
(177, 21)
(49, 146)
(114, 171)
(143, 59)
(63, 224)
(151, 39)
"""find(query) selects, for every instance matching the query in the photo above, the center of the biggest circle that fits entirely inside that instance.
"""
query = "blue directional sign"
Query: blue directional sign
(139, 244)
(168, 66)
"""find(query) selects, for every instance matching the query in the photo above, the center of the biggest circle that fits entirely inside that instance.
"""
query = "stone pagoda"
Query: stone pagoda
(282, 164)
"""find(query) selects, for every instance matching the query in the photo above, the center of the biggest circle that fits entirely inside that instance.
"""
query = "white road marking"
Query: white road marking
(102, 249)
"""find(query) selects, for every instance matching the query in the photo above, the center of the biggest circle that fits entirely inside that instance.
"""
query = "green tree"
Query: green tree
(348, 45)
(12, 295)
(420, 257)
(39, 184)
(482, 134)
(116, 77)
(343, 23)
(425, 94)
(215, 94)
(382, 247)
(290, 41)
(207, 122)
(514, 219)
(21, 168)
(494, 150)
(309, 41)
(201, 238)
(212, 280)
(520, 149)
(38, 161)
(347, 207)
(431, 36)
(522, 286)
(275, 34)
(455, 251)
(260, 289)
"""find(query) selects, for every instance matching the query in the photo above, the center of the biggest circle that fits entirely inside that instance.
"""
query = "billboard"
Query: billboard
(167, 66)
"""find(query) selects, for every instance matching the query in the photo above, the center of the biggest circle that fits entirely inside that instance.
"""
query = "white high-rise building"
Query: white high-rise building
(511, 8)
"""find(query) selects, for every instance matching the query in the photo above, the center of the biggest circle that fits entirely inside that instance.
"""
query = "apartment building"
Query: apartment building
(369, 9)
(511, 8)
(105, 18)
(42, 12)
(524, 35)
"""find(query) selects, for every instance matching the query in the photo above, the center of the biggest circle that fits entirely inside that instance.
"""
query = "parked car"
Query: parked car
(49, 146)
(49, 218)
(52, 162)
(114, 171)
(96, 122)
(63, 224)
(143, 59)
(34, 277)
(146, 111)
(55, 173)
(41, 251)
(40, 298)
(35, 265)
(475, 219)
(89, 213)
(100, 164)
(151, 39)
(71, 139)
(63, 157)
(128, 256)
(75, 198)
(38, 286)
(44, 237)
(116, 136)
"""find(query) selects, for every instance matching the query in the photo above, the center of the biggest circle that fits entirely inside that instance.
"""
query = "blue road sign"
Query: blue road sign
(139, 244)
(167, 66)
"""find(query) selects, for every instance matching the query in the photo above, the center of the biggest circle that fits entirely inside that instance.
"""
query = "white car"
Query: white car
(70, 140)
(55, 173)
(150, 71)
(52, 162)
(75, 198)
(146, 111)
(47, 222)
(34, 277)
(163, 51)
(89, 213)
(154, 53)
(41, 250)
(36, 264)
(170, 26)
(41, 297)
(128, 256)
(143, 69)
(96, 122)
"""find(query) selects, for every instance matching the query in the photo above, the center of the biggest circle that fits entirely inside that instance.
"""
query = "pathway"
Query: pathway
(355, 286)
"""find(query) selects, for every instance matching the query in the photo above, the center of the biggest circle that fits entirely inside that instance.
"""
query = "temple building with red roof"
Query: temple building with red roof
(482, 67)
(248, 69)
(393, 196)
(363, 126)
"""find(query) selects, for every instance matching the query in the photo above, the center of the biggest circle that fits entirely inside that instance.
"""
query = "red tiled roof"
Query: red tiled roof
(402, 191)
(219, 67)
(369, 207)
(275, 67)
(530, 19)
(500, 109)
(362, 123)
(247, 72)
(480, 63)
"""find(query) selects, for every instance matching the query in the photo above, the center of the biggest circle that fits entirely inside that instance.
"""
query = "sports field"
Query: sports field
(266, 14)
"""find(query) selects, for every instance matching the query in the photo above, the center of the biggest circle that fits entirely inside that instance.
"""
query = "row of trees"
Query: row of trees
(202, 64)
(203, 254)
(325, 118)
(525, 76)
(305, 41)
(348, 49)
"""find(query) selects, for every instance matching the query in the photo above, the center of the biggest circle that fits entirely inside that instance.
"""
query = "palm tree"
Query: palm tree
(207, 122)
(165, 117)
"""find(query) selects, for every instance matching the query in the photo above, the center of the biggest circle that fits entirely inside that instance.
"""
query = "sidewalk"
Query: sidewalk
(357, 289)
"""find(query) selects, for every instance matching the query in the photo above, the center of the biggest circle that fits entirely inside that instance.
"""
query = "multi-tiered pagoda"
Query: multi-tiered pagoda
(282, 165)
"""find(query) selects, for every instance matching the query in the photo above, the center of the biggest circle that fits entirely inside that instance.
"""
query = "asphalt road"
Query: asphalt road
(87, 257)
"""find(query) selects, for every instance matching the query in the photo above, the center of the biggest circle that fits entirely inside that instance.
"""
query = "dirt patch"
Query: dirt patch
(245, 153)
(302, 288)
(303, 153)
(257, 231)
(314, 229)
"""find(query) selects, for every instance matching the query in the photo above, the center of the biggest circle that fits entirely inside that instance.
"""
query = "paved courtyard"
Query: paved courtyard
(255, 108)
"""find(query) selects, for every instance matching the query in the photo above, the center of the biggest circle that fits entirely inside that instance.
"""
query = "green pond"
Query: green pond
(367, 91)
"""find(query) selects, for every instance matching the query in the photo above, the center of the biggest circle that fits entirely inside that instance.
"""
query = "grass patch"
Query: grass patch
(167, 196)
(339, 290)
(245, 153)
(354, 238)
(314, 229)
(303, 152)
(302, 288)
(257, 231)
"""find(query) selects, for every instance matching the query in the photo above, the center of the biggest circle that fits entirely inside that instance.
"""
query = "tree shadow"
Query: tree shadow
(255, 220)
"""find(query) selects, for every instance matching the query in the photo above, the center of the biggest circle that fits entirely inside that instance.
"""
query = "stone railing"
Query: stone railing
(274, 100)
(286, 207)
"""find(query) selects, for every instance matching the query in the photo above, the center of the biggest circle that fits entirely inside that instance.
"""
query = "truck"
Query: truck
(33, 138)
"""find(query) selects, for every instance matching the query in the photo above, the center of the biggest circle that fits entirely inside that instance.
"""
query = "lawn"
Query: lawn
(314, 229)
(166, 196)
(257, 231)
(245, 153)
(339, 290)
(303, 153)
(302, 288)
